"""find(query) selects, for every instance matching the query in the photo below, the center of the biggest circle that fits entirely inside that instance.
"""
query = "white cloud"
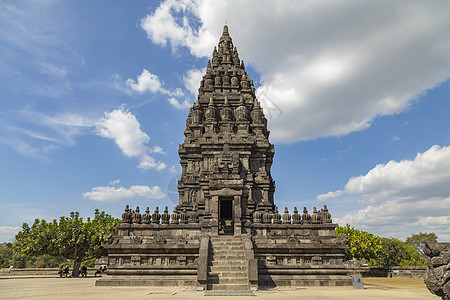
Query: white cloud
(114, 182)
(404, 195)
(192, 80)
(112, 194)
(426, 176)
(158, 149)
(149, 82)
(146, 82)
(330, 67)
(163, 27)
(7, 233)
(122, 126)
(175, 103)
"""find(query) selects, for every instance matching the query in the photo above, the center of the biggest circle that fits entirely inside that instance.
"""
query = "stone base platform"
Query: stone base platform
(270, 281)
(188, 281)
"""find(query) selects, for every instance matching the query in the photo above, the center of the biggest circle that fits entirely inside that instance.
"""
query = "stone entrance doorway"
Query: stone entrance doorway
(226, 225)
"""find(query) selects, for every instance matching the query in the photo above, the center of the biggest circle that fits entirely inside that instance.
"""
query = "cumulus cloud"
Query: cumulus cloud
(192, 80)
(184, 104)
(330, 67)
(122, 126)
(7, 233)
(165, 26)
(112, 194)
(405, 194)
(149, 82)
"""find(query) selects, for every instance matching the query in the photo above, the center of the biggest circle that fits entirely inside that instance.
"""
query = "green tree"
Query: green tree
(70, 238)
(394, 252)
(417, 240)
(6, 255)
(362, 244)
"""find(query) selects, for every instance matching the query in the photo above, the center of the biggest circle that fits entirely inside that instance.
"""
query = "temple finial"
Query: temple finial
(225, 29)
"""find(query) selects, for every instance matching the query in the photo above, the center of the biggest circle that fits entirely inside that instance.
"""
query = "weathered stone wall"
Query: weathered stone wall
(36, 271)
(398, 271)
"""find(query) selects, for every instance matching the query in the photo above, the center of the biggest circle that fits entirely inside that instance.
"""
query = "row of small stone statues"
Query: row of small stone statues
(134, 216)
(267, 217)
(264, 217)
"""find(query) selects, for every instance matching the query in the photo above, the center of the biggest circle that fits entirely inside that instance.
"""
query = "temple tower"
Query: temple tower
(226, 155)
(226, 232)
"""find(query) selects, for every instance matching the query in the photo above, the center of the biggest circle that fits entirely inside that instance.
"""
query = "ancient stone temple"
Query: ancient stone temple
(226, 233)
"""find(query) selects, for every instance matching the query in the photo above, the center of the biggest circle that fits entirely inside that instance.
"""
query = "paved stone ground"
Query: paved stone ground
(40, 287)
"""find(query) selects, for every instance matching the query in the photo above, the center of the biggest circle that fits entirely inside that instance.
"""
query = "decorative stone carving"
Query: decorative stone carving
(225, 112)
(184, 217)
(194, 215)
(234, 79)
(326, 216)
(267, 217)
(257, 217)
(136, 217)
(211, 112)
(286, 216)
(296, 218)
(147, 217)
(156, 216)
(241, 111)
(276, 217)
(126, 216)
(315, 218)
(306, 218)
(174, 218)
(165, 217)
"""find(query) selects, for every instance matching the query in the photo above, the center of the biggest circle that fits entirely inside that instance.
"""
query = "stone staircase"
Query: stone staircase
(227, 268)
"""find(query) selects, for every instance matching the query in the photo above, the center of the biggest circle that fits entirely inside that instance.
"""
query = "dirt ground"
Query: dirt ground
(35, 287)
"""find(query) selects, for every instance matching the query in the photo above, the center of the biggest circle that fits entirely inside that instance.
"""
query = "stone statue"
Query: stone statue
(147, 217)
(286, 216)
(126, 216)
(174, 217)
(276, 216)
(136, 217)
(315, 218)
(165, 217)
(306, 218)
(156, 216)
(326, 216)
(296, 218)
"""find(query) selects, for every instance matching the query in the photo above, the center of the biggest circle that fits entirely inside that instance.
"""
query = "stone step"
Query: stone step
(232, 268)
(228, 287)
(226, 263)
(228, 250)
(229, 274)
(221, 280)
(227, 257)
(227, 246)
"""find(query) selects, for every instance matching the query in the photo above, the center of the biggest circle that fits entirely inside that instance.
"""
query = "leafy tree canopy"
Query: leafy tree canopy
(417, 240)
(394, 252)
(362, 244)
(70, 238)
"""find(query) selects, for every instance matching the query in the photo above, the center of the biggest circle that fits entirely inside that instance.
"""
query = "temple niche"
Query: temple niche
(226, 232)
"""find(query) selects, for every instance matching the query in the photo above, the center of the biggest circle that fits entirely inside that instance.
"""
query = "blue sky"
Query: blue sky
(94, 97)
